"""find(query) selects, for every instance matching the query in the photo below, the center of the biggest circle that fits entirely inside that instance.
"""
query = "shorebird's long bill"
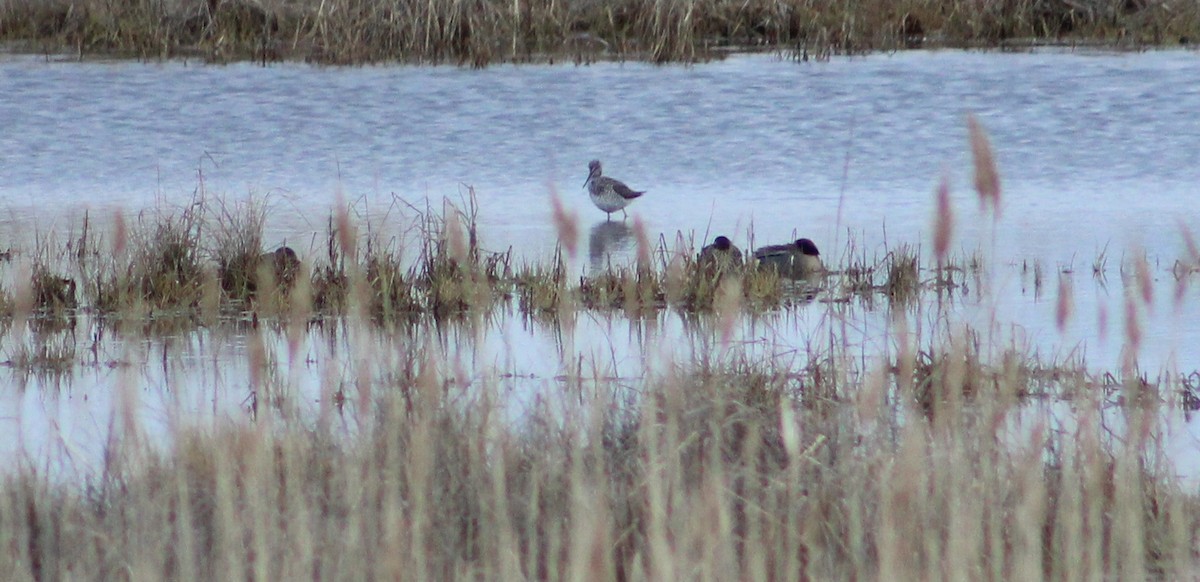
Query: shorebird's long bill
(590, 174)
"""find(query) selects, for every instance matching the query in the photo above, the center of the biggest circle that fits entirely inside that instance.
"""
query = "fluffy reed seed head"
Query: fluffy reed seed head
(1145, 283)
(120, 234)
(1189, 243)
(1066, 302)
(728, 305)
(346, 236)
(1133, 325)
(643, 244)
(567, 224)
(943, 221)
(455, 237)
(987, 177)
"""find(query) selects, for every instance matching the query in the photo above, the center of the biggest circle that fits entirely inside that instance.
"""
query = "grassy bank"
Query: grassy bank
(482, 32)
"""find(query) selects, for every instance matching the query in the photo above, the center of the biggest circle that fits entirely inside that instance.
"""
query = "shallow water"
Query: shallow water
(1094, 149)
(64, 421)
(1099, 155)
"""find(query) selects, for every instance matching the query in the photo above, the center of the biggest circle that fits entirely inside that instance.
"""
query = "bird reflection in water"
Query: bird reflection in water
(606, 239)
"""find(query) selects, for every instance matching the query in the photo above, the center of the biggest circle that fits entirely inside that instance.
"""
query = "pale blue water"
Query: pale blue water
(1093, 149)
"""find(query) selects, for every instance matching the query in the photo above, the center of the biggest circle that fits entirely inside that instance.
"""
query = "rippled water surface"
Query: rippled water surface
(1099, 155)
(1094, 149)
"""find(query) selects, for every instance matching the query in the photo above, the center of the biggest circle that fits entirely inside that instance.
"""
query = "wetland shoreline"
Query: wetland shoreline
(480, 33)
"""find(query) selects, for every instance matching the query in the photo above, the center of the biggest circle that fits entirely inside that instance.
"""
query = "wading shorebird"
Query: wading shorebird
(720, 256)
(608, 194)
(796, 260)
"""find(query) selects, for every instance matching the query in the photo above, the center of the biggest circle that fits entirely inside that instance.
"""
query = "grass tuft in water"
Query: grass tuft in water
(237, 241)
(166, 269)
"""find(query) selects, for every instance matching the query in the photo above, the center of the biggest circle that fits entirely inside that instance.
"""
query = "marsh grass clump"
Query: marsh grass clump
(166, 270)
(630, 288)
(453, 272)
(52, 293)
(903, 282)
(392, 293)
(762, 288)
(541, 289)
(247, 276)
(237, 248)
(662, 276)
(330, 277)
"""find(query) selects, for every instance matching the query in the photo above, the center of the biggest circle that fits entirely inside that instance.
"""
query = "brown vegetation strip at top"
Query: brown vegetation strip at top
(480, 32)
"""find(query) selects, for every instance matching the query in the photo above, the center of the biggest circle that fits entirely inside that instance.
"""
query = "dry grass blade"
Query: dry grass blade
(1184, 269)
(1133, 325)
(1065, 306)
(1189, 242)
(566, 224)
(943, 228)
(1145, 282)
(120, 234)
(643, 245)
(987, 177)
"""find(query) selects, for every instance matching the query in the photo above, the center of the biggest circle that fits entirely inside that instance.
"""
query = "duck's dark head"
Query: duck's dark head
(722, 244)
(807, 247)
(285, 253)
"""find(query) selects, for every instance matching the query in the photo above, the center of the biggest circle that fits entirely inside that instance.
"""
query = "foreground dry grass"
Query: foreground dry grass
(480, 32)
(917, 469)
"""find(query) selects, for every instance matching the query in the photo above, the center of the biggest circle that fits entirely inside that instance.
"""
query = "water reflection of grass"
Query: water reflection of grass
(482, 32)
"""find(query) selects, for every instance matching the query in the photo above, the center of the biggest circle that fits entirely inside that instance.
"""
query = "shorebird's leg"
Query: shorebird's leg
(624, 216)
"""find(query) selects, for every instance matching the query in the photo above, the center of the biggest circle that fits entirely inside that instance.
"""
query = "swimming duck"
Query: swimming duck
(721, 255)
(797, 260)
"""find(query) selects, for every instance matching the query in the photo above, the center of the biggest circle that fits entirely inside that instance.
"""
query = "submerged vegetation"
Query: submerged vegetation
(481, 32)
